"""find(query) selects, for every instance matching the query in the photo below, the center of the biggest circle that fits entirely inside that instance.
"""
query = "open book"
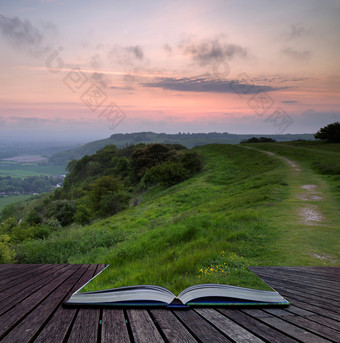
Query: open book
(198, 295)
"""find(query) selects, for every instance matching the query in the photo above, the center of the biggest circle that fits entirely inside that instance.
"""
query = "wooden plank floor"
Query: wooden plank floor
(31, 298)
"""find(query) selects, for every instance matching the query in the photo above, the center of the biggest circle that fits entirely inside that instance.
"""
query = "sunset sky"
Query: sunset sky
(87, 69)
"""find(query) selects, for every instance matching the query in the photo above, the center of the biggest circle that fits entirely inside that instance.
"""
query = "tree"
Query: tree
(148, 156)
(63, 211)
(107, 196)
(330, 133)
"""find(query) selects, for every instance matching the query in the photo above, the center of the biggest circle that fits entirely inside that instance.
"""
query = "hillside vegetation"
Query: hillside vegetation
(208, 228)
(188, 140)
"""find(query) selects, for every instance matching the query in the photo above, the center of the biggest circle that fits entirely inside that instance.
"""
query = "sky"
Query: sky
(84, 70)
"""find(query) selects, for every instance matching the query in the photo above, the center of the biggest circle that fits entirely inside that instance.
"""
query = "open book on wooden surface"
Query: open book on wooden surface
(198, 295)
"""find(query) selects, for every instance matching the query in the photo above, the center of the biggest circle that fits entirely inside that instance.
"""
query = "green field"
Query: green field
(23, 170)
(12, 199)
(242, 210)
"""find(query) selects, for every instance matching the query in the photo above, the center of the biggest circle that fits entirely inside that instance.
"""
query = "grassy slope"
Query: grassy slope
(207, 229)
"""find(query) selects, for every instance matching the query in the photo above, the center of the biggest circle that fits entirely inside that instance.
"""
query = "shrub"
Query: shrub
(167, 173)
(192, 162)
(33, 217)
(330, 133)
(259, 140)
(63, 211)
(82, 215)
(112, 203)
(6, 253)
(148, 156)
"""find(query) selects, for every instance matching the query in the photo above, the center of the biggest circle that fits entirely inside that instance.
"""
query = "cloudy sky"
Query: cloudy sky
(87, 69)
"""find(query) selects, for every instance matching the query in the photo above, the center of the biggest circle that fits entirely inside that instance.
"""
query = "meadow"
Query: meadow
(22, 170)
(238, 212)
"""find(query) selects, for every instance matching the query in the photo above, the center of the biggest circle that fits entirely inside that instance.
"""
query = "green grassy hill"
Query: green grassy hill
(240, 211)
(189, 140)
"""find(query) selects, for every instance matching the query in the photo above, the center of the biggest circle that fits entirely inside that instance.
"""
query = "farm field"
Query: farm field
(22, 170)
(12, 199)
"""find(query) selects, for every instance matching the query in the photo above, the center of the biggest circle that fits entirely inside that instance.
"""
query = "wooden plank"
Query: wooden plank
(14, 315)
(319, 271)
(172, 328)
(114, 327)
(202, 330)
(31, 324)
(299, 311)
(85, 327)
(10, 271)
(232, 330)
(323, 289)
(311, 289)
(306, 315)
(319, 329)
(59, 324)
(13, 294)
(3, 267)
(326, 321)
(293, 331)
(334, 324)
(301, 277)
(257, 327)
(318, 310)
(302, 282)
(284, 272)
(13, 273)
(292, 294)
(326, 273)
(22, 276)
(13, 300)
(38, 315)
(142, 327)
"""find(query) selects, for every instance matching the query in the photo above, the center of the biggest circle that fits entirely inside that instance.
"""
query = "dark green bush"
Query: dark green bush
(330, 133)
(63, 211)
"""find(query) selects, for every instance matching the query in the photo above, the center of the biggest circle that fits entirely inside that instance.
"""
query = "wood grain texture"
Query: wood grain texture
(32, 296)
(143, 328)
(114, 327)
(172, 328)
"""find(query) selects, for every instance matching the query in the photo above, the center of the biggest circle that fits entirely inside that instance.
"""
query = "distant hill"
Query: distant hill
(187, 139)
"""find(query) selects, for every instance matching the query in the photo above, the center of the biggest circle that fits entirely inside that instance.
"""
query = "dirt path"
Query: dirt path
(307, 210)
(310, 213)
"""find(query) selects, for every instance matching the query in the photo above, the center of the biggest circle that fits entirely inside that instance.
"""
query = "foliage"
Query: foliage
(6, 253)
(259, 140)
(107, 196)
(65, 243)
(83, 215)
(63, 211)
(148, 156)
(28, 185)
(330, 133)
(98, 186)
(33, 217)
(167, 173)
